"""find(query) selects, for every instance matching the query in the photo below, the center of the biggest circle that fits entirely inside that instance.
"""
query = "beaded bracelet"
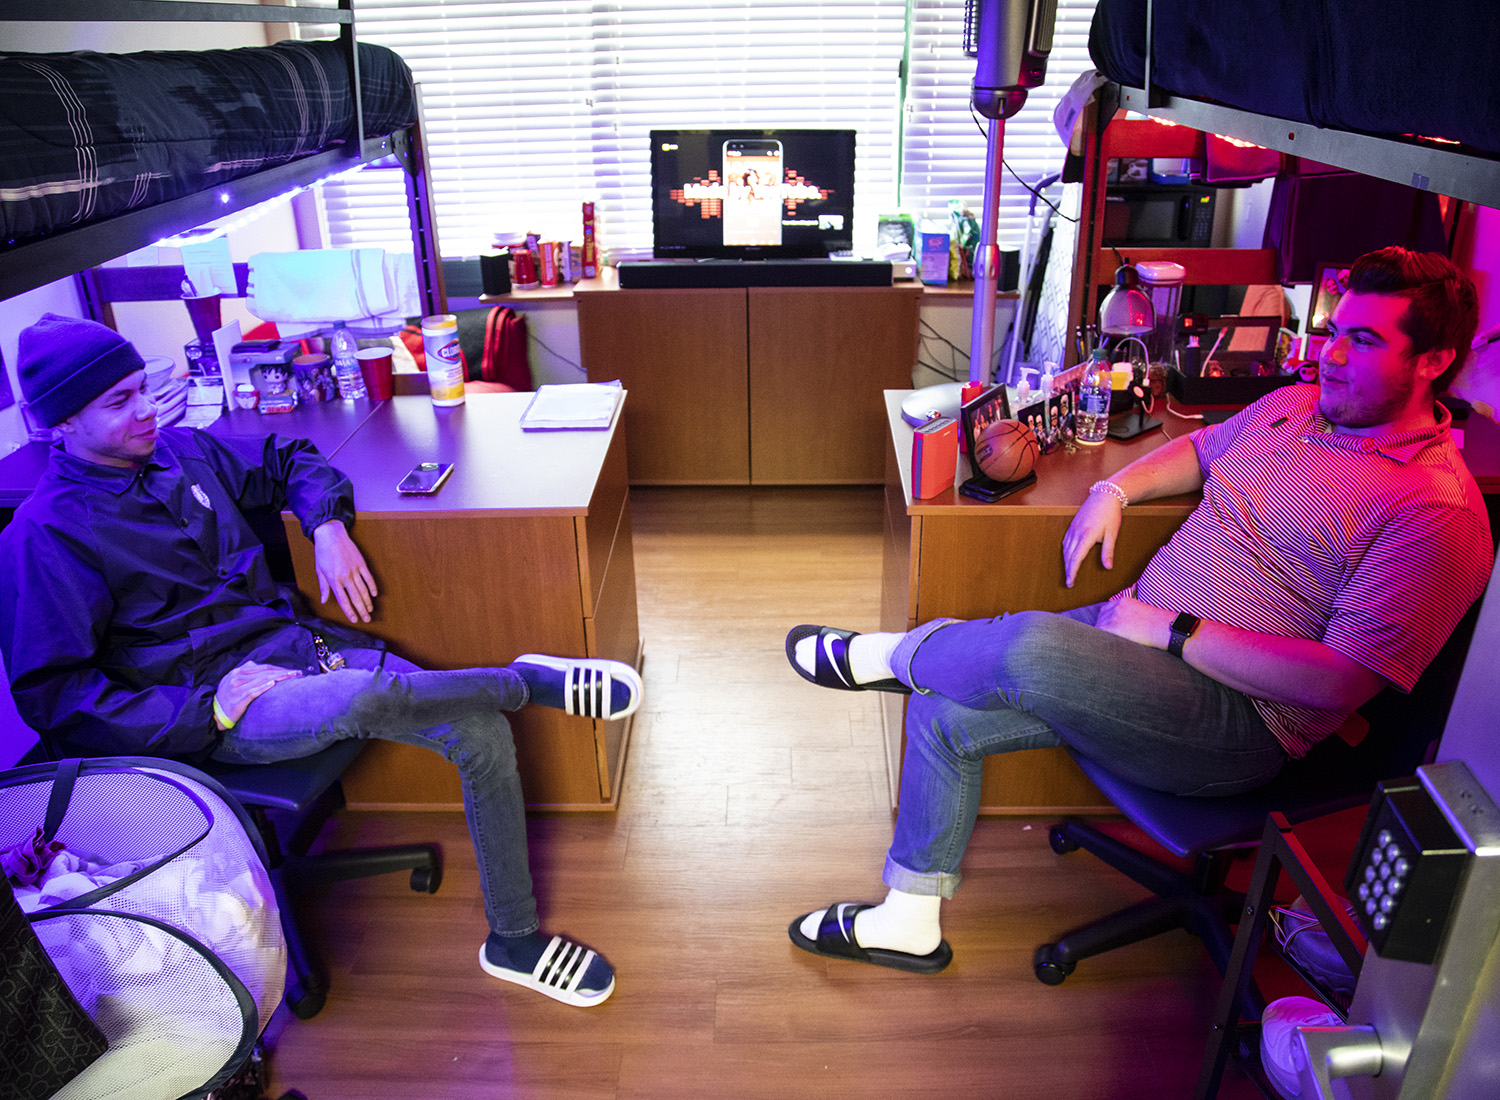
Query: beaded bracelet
(1112, 489)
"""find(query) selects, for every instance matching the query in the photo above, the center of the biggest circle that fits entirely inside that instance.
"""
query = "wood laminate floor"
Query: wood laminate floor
(749, 797)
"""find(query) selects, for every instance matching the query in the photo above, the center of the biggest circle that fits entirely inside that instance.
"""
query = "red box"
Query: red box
(590, 259)
(934, 456)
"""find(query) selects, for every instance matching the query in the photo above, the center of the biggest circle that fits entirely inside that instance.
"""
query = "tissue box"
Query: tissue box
(934, 456)
(933, 237)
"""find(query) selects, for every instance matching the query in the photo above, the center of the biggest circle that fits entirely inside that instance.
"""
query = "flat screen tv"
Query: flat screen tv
(751, 194)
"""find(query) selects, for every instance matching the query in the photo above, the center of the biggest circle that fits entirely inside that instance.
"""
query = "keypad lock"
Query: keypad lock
(1405, 873)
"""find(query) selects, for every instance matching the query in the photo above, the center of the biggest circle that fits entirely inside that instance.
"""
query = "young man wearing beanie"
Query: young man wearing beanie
(138, 617)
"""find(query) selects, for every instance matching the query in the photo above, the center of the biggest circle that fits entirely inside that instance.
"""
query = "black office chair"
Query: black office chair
(301, 795)
(289, 802)
(1404, 730)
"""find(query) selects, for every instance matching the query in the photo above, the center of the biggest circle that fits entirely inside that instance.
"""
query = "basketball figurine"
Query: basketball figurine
(1006, 450)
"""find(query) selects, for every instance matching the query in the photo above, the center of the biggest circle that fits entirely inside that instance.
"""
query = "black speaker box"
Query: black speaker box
(659, 274)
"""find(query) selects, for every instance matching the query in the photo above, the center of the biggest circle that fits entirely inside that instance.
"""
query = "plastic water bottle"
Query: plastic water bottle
(351, 381)
(1092, 419)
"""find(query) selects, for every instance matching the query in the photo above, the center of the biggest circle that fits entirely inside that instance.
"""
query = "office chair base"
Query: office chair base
(1195, 902)
(305, 1003)
(1049, 969)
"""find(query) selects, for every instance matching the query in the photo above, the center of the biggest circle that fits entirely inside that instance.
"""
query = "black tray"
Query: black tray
(1228, 389)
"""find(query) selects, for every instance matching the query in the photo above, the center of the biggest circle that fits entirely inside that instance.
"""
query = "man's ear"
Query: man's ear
(69, 425)
(1431, 364)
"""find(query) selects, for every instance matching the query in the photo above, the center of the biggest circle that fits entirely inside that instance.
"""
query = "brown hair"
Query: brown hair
(1442, 313)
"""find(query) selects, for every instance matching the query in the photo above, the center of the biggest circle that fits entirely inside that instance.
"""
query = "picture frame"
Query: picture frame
(1330, 281)
(979, 413)
(991, 406)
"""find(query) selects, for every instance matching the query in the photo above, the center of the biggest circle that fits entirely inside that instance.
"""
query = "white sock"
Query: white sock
(869, 656)
(903, 922)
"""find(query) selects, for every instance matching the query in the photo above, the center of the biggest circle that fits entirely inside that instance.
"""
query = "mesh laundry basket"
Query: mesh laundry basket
(157, 912)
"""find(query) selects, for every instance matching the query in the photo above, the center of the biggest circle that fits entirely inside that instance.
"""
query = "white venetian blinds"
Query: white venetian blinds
(944, 148)
(534, 106)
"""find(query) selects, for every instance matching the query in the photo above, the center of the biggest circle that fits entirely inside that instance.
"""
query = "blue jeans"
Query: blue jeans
(1034, 680)
(453, 713)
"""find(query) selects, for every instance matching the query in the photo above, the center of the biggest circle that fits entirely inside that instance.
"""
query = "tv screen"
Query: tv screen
(751, 194)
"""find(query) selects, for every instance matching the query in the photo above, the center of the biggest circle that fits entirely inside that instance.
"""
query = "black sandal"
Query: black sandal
(836, 941)
(831, 664)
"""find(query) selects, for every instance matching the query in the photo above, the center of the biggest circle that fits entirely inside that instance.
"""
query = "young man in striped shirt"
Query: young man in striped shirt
(1339, 541)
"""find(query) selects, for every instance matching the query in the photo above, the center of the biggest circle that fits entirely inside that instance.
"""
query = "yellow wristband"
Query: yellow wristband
(224, 719)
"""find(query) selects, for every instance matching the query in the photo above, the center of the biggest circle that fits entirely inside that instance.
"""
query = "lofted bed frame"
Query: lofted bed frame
(80, 251)
(1445, 168)
(1461, 172)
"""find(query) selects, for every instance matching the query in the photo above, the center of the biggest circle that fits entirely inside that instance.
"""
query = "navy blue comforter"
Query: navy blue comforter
(1387, 67)
(85, 136)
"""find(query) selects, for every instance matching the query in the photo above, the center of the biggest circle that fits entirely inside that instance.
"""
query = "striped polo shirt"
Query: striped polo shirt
(1372, 545)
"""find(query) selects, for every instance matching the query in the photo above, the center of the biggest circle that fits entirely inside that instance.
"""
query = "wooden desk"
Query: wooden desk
(526, 548)
(752, 386)
(952, 556)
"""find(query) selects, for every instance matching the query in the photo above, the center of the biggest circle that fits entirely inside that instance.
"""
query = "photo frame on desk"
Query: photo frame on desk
(990, 407)
(1330, 282)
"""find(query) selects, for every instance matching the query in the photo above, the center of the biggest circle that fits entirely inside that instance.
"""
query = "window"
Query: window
(534, 106)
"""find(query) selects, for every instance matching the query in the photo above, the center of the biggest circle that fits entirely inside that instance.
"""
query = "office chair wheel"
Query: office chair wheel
(305, 1003)
(1049, 969)
(425, 880)
(1061, 844)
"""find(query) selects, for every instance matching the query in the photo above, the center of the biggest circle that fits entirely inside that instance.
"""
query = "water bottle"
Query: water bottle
(346, 370)
(1092, 419)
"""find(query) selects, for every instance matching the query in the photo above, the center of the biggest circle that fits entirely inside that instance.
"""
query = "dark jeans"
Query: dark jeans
(453, 713)
(1034, 680)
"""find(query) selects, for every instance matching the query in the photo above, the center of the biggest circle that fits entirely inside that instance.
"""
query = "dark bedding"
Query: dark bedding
(1388, 67)
(85, 136)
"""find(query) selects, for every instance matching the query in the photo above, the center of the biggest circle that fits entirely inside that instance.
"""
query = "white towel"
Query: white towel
(308, 290)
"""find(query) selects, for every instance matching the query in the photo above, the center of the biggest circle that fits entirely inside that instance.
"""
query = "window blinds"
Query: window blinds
(534, 106)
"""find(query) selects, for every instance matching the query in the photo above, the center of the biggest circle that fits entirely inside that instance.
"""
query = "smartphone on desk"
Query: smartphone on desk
(425, 477)
(989, 490)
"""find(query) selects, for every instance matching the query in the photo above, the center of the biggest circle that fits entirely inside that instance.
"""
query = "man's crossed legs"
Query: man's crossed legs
(458, 714)
(1027, 680)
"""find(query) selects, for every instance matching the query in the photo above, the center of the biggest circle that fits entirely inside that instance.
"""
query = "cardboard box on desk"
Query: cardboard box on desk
(933, 239)
(934, 456)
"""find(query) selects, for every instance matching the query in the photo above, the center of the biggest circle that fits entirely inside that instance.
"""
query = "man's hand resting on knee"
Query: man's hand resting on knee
(242, 685)
(342, 571)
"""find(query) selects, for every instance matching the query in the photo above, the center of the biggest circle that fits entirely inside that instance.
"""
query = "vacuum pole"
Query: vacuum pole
(987, 260)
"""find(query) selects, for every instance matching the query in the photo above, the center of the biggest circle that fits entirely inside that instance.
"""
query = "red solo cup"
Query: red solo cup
(375, 365)
(206, 316)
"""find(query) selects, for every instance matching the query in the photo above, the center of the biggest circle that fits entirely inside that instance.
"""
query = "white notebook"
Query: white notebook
(572, 405)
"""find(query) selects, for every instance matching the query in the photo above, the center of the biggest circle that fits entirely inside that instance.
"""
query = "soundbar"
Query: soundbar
(675, 274)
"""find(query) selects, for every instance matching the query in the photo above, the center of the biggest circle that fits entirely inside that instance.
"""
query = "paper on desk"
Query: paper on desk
(559, 407)
(204, 404)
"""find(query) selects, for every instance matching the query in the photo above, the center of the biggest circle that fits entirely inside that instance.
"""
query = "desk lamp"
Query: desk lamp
(1010, 40)
(1127, 312)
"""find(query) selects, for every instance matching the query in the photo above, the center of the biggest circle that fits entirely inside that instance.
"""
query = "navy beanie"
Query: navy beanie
(66, 362)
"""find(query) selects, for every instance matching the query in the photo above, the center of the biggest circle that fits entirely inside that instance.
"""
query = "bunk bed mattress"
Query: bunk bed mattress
(1383, 67)
(87, 136)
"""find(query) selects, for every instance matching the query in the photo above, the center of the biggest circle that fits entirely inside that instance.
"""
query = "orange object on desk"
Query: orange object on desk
(934, 456)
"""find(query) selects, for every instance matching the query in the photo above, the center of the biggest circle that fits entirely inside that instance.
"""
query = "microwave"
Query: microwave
(1159, 216)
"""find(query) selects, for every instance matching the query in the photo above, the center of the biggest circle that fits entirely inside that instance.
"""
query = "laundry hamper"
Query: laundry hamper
(147, 886)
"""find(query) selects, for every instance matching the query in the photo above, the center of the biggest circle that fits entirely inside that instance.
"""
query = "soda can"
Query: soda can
(445, 365)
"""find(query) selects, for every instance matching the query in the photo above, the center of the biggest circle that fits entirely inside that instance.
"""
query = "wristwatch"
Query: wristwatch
(1182, 629)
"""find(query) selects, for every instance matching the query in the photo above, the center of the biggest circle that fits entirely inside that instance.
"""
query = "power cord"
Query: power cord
(975, 116)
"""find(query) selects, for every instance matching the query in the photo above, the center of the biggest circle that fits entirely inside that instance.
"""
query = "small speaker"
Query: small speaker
(494, 273)
(677, 274)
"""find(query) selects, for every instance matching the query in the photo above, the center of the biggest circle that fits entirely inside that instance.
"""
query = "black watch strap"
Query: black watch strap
(1182, 629)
